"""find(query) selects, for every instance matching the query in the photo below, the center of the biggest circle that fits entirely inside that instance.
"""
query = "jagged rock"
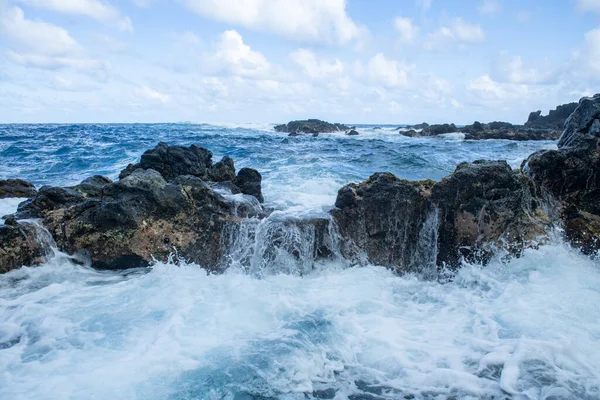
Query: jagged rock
(142, 217)
(380, 219)
(555, 120)
(172, 161)
(480, 207)
(223, 171)
(249, 180)
(352, 132)
(92, 186)
(417, 126)
(410, 133)
(49, 198)
(310, 126)
(508, 131)
(570, 175)
(21, 244)
(433, 130)
(16, 188)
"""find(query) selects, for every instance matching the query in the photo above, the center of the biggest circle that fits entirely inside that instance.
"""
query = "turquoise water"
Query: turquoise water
(524, 329)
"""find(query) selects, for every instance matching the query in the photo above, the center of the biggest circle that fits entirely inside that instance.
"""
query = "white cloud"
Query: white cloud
(237, 58)
(591, 52)
(406, 29)
(513, 70)
(489, 7)
(94, 9)
(148, 93)
(459, 31)
(313, 67)
(43, 45)
(589, 5)
(313, 20)
(387, 72)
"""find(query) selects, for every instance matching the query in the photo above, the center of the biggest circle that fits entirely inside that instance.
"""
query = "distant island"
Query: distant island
(537, 127)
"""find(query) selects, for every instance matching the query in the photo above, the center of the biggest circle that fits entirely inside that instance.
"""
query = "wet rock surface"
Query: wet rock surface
(570, 175)
(22, 244)
(16, 188)
(310, 126)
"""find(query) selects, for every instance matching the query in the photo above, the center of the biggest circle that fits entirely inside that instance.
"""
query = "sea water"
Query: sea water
(528, 328)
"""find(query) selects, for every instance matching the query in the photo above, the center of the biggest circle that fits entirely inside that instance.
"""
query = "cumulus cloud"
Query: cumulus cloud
(489, 7)
(588, 58)
(94, 9)
(304, 20)
(589, 5)
(406, 29)
(381, 70)
(459, 31)
(43, 45)
(236, 57)
(513, 70)
(314, 67)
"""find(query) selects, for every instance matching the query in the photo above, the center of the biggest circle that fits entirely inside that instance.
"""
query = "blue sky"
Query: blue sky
(239, 61)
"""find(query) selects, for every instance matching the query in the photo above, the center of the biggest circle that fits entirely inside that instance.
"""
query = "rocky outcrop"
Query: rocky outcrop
(16, 188)
(570, 175)
(161, 206)
(508, 131)
(353, 132)
(481, 207)
(22, 244)
(555, 119)
(310, 126)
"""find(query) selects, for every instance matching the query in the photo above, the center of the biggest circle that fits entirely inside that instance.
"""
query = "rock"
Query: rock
(92, 186)
(223, 171)
(555, 120)
(380, 219)
(352, 132)
(418, 126)
(377, 128)
(481, 207)
(434, 130)
(172, 161)
(21, 244)
(49, 198)
(143, 217)
(569, 176)
(507, 131)
(310, 126)
(249, 180)
(16, 188)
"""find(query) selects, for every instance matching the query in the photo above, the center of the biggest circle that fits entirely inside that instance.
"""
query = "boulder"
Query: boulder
(482, 207)
(249, 180)
(223, 171)
(311, 126)
(569, 176)
(22, 244)
(16, 188)
(410, 133)
(353, 132)
(433, 130)
(172, 161)
(49, 198)
(555, 119)
(92, 186)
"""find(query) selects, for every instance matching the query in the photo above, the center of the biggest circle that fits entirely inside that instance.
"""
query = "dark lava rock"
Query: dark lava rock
(49, 198)
(555, 119)
(352, 132)
(481, 207)
(22, 244)
(570, 175)
(508, 131)
(92, 186)
(16, 188)
(172, 161)
(310, 126)
(410, 133)
(249, 180)
(223, 171)
(434, 130)
(143, 217)
(418, 126)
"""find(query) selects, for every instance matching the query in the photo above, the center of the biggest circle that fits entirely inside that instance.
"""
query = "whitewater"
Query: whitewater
(526, 328)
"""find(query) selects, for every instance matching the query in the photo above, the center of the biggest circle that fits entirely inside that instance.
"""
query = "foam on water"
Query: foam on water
(525, 330)
(9, 206)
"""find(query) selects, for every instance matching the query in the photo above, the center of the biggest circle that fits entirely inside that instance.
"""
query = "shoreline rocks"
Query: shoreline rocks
(16, 188)
(310, 126)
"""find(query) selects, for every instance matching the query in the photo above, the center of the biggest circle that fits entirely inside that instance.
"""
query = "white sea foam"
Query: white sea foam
(9, 206)
(529, 329)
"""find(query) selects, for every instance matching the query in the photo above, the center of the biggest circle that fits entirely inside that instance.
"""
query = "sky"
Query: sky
(269, 61)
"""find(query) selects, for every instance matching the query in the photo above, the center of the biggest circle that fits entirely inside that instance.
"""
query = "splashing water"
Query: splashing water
(282, 323)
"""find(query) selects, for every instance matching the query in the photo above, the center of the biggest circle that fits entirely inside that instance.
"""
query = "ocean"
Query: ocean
(526, 328)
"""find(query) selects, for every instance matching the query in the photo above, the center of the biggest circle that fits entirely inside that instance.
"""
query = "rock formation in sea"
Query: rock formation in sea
(309, 126)
(537, 127)
(16, 188)
(176, 203)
